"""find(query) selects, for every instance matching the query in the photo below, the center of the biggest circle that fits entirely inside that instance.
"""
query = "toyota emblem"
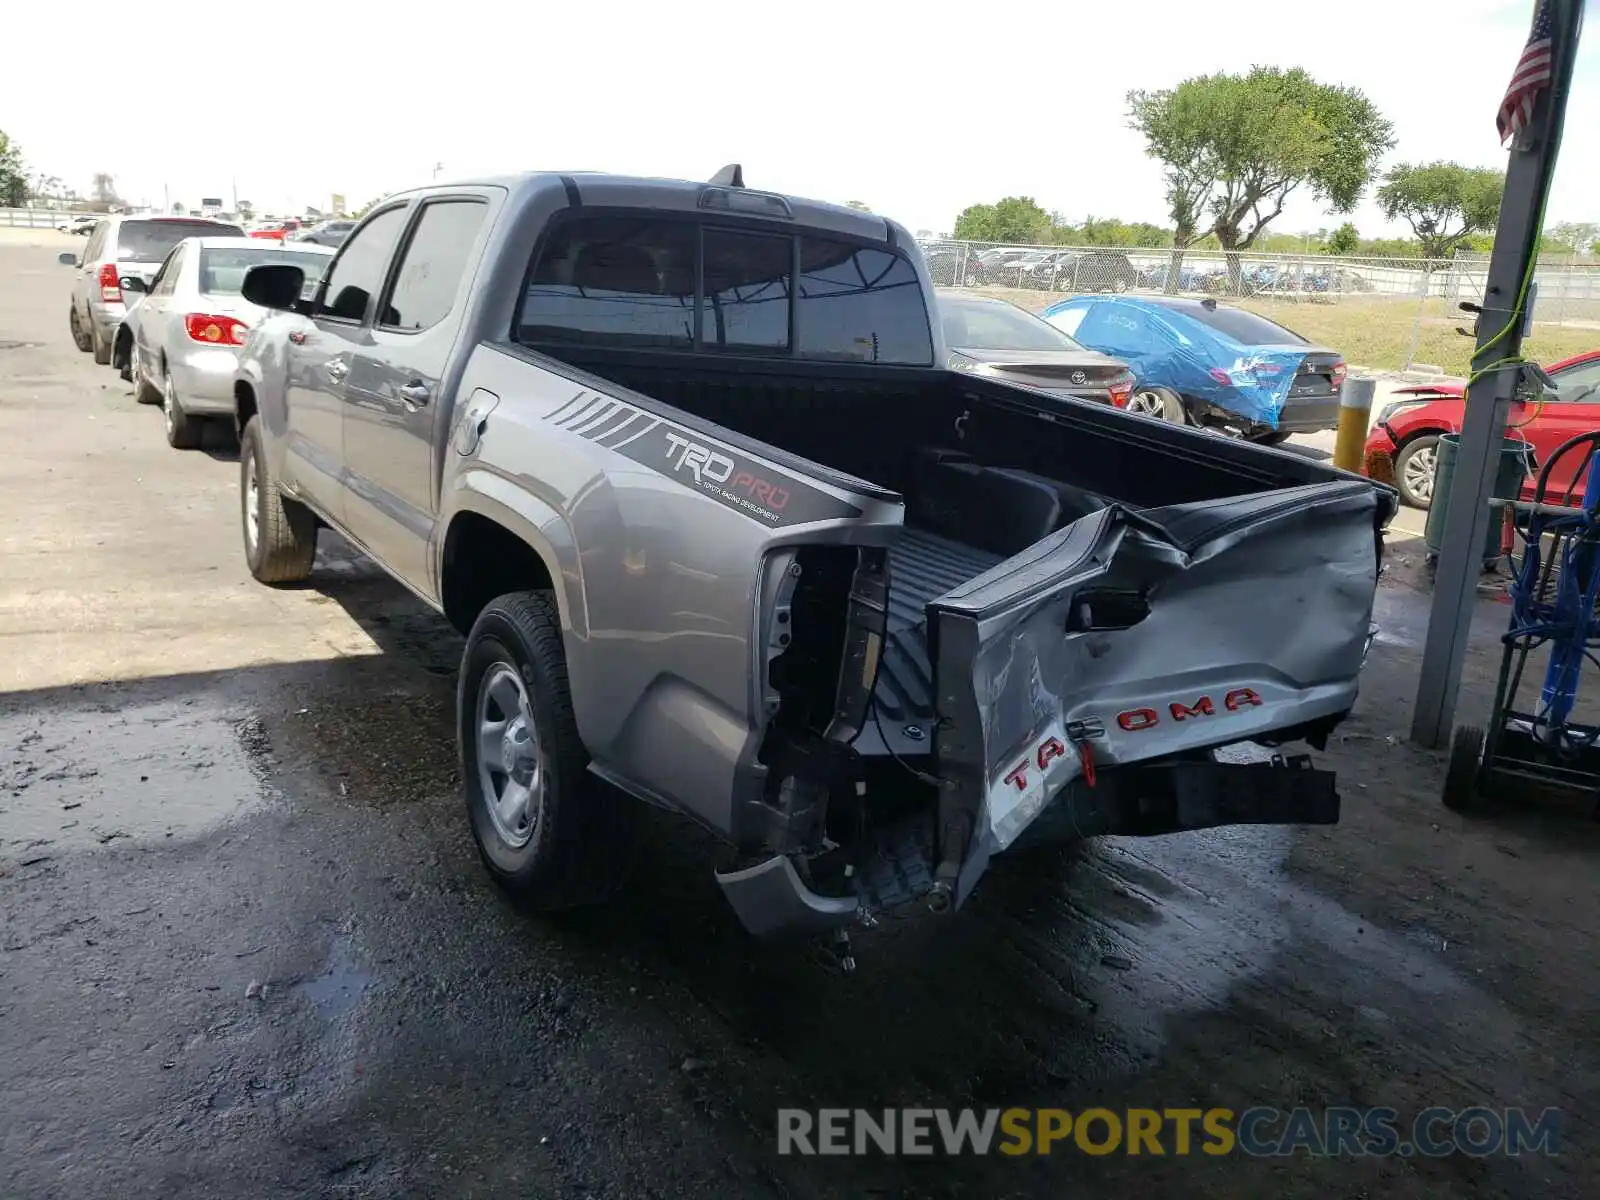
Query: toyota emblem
(1079, 377)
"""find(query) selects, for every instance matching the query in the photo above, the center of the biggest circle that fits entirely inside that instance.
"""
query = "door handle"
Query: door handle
(337, 370)
(414, 393)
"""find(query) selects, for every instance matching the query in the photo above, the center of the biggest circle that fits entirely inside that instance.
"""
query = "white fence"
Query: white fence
(36, 218)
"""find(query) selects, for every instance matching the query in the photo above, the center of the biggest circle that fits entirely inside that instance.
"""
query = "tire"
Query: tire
(80, 337)
(1461, 792)
(144, 391)
(183, 431)
(283, 543)
(1160, 402)
(1276, 438)
(1419, 459)
(572, 840)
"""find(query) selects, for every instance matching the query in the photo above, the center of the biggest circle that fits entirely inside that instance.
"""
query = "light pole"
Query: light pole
(1491, 385)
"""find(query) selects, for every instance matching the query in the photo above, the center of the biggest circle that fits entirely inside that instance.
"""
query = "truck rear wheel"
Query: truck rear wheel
(280, 536)
(547, 830)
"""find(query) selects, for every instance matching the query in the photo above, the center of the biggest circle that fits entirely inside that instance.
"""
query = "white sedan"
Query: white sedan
(179, 344)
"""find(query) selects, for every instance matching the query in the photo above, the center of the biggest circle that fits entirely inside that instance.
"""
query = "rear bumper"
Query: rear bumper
(1145, 800)
(203, 379)
(1157, 798)
(107, 317)
(1309, 416)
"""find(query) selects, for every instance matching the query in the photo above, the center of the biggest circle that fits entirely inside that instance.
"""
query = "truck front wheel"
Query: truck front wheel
(546, 829)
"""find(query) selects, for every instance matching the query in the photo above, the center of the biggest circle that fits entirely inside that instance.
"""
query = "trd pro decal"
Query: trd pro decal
(731, 478)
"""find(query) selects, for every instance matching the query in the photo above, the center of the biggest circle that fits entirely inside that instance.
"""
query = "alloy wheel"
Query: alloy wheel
(510, 759)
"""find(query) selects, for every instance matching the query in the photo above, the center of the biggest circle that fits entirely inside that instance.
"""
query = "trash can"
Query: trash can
(1516, 464)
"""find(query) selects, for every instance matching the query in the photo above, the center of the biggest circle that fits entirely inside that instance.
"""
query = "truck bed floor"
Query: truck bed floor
(922, 566)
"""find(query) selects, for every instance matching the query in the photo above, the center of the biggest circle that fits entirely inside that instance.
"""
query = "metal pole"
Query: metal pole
(1355, 415)
(1528, 174)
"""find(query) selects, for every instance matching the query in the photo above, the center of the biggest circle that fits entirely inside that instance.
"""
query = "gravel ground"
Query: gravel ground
(246, 948)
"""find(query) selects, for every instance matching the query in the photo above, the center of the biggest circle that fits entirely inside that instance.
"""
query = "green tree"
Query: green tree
(1445, 203)
(1344, 240)
(1236, 147)
(1575, 237)
(1016, 219)
(13, 174)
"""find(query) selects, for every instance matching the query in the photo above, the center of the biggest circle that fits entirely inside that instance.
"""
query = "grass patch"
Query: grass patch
(1377, 331)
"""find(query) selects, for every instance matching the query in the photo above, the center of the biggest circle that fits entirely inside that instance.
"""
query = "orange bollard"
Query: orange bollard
(1355, 415)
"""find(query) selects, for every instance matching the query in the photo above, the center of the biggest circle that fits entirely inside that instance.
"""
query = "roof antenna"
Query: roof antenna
(731, 175)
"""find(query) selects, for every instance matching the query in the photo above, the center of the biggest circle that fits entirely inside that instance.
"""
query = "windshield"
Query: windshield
(1246, 328)
(996, 325)
(152, 241)
(222, 269)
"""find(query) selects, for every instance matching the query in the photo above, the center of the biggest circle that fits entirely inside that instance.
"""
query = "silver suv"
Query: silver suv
(118, 248)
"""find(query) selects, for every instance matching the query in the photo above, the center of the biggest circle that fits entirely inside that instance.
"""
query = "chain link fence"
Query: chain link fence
(1389, 312)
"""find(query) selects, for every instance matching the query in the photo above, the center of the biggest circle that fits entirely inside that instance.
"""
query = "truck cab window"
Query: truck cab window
(613, 281)
(747, 291)
(857, 304)
(358, 272)
(432, 264)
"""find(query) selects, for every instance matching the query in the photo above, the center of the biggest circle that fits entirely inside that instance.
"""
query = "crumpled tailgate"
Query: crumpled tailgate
(1128, 636)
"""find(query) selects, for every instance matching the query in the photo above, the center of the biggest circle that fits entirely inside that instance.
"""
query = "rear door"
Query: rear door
(88, 276)
(393, 395)
(319, 358)
(149, 316)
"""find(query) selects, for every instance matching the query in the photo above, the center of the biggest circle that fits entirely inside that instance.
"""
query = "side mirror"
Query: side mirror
(132, 283)
(274, 285)
(67, 258)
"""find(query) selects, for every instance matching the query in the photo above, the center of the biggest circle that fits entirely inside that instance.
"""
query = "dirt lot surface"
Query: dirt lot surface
(246, 948)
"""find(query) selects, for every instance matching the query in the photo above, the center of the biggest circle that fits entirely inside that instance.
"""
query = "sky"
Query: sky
(915, 109)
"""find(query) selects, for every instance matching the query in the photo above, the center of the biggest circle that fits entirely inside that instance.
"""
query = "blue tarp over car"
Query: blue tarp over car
(1225, 356)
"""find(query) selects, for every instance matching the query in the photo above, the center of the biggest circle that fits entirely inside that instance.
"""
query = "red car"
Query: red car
(1405, 439)
(277, 231)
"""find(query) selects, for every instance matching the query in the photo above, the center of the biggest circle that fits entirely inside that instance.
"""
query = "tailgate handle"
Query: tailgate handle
(1102, 610)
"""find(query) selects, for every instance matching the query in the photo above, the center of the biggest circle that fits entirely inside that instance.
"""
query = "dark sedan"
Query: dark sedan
(325, 233)
(992, 337)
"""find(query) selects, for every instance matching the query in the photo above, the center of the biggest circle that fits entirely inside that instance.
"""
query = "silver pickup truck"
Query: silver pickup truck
(683, 463)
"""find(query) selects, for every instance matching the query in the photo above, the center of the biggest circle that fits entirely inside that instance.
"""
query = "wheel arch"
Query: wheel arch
(498, 538)
(122, 347)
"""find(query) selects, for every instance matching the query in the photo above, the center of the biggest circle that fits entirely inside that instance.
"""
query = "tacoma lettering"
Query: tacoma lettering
(1048, 751)
(1136, 720)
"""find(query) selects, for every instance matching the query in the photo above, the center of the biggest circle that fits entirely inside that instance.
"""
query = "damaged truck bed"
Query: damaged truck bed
(684, 463)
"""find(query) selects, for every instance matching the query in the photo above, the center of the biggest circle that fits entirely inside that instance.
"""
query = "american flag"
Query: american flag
(1529, 79)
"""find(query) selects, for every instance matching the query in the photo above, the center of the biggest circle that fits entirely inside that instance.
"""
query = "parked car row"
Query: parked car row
(1113, 270)
(1191, 362)
(160, 299)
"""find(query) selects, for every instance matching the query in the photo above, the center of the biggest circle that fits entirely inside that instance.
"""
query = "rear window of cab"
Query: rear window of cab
(690, 285)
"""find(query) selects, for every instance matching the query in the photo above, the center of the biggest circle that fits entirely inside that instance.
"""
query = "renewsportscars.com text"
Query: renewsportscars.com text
(1258, 1132)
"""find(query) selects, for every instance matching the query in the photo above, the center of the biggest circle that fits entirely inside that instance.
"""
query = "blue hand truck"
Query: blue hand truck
(1554, 593)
